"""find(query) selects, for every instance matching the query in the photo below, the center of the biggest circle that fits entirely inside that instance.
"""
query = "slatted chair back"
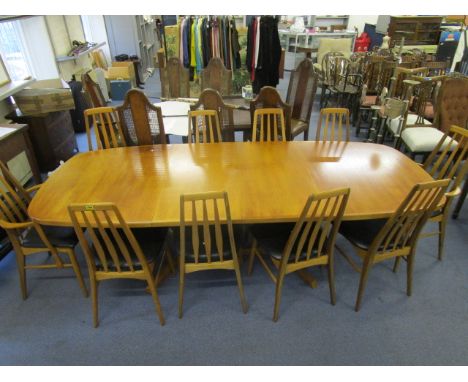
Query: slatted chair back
(141, 121)
(372, 74)
(203, 127)
(9, 178)
(114, 248)
(449, 159)
(333, 125)
(270, 98)
(398, 87)
(269, 125)
(107, 129)
(206, 218)
(216, 76)
(334, 66)
(425, 96)
(13, 203)
(210, 99)
(301, 90)
(402, 229)
(93, 91)
(313, 236)
(177, 78)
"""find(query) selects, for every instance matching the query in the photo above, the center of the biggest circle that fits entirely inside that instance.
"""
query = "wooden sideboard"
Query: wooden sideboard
(52, 137)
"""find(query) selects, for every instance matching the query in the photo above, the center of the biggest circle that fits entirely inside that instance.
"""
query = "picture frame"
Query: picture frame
(4, 76)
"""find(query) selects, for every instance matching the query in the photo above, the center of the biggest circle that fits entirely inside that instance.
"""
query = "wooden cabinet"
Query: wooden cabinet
(417, 30)
(52, 137)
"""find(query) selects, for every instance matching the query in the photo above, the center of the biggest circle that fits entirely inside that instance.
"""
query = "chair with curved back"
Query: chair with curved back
(141, 121)
(269, 125)
(207, 238)
(301, 93)
(378, 240)
(333, 125)
(107, 129)
(268, 98)
(29, 238)
(177, 78)
(92, 91)
(204, 127)
(216, 76)
(309, 242)
(114, 251)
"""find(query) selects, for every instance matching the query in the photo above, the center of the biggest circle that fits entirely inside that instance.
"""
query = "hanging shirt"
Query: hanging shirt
(257, 43)
(198, 47)
(193, 62)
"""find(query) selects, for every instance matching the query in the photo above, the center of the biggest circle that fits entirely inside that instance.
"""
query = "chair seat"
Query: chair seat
(423, 139)
(393, 124)
(58, 237)
(151, 241)
(298, 126)
(272, 238)
(361, 233)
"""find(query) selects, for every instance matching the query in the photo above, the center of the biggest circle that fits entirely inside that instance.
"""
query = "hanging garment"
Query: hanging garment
(257, 42)
(193, 62)
(235, 45)
(198, 48)
(185, 44)
(181, 38)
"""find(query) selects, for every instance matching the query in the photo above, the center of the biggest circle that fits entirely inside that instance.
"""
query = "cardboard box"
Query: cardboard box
(123, 70)
(45, 96)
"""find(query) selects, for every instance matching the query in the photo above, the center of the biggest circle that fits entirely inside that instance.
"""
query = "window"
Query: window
(13, 51)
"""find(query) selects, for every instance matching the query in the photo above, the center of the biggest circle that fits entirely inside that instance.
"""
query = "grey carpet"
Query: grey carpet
(54, 325)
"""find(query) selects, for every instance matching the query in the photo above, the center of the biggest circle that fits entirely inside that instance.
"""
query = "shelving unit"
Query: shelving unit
(417, 30)
(75, 57)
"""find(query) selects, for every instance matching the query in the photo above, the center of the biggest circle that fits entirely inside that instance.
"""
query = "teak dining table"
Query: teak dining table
(265, 181)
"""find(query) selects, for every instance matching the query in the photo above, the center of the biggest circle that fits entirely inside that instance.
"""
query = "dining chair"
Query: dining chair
(448, 160)
(377, 240)
(141, 121)
(177, 78)
(332, 69)
(301, 93)
(203, 126)
(92, 91)
(333, 125)
(392, 115)
(29, 238)
(114, 251)
(269, 125)
(216, 76)
(451, 109)
(401, 82)
(267, 98)
(107, 129)
(307, 243)
(207, 238)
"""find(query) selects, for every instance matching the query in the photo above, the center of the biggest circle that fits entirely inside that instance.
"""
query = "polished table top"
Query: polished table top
(266, 182)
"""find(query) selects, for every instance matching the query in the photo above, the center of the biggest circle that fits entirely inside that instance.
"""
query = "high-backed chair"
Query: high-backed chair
(301, 94)
(93, 91)
(204, 127)
(29, 238)
(333, 68)
(177, 78)
(141, 121)
(210, 99)
(378, 240)
(333, 125)
(107, 129)
(269, 125)
(326, 45)
(392, 114)
(216, 76)
(207, 238)
(115, 251)
(451, 109)
(448, 160)
(401, 82)
(308, 243)
(268, 98)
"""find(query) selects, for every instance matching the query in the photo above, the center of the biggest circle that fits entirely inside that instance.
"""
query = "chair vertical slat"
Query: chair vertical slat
(118, 238)
(262, 124)
(104, 130)
(340, 128)
(88, 131)
(113, 137)
(108, 243)
(97, 132)
(195, 238)
(269, 117)
(218, 232)
(328, 221)
(7, 212)
(96, 242)
(206, 232)
(305, 232)
(317, 227)
(14, 203)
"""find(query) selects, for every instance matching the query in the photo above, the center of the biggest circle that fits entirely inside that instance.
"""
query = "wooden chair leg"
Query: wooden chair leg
(331, 282)
(241, 287)
(181, 287)
(157, 304)
(396, 264)
(94, 298)
(251, 257)
(20, 260)
(362, 284)
(78, 273)
(442, 228)
(278, 290)
(409, 274)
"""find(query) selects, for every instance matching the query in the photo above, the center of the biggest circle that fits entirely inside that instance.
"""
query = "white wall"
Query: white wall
(359, 21)
(40, 49)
